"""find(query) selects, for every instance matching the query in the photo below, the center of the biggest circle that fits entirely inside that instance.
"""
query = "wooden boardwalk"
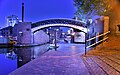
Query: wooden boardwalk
(103, 60)
(103, 65)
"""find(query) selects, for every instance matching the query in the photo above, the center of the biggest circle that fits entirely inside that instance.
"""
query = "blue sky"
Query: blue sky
(36, 10)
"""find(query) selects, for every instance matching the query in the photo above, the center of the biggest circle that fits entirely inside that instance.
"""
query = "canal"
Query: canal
(13, 58)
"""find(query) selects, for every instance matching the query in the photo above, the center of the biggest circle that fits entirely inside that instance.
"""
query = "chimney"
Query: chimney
(22, 12)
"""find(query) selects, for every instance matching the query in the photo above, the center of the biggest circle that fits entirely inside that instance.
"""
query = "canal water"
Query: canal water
(13, 58)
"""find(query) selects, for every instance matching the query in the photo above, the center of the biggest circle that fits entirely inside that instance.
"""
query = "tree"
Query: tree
(88, 8)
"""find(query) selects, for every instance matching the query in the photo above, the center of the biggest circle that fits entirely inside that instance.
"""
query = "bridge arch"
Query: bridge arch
(58, 22)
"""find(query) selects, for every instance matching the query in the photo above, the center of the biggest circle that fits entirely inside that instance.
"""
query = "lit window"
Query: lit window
(20, 33)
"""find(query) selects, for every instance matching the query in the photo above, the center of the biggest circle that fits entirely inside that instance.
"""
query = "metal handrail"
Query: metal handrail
(97, 42)
(98, 36)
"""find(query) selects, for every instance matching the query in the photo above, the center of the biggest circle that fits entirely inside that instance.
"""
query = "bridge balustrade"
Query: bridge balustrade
(57, 21)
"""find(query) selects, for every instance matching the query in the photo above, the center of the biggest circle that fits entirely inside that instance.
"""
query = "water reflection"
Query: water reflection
(11, 54)
(13, 58)
(7, 61)
(24, 55)
(39, 50)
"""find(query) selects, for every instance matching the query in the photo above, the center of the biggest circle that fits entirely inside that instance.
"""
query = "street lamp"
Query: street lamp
(56, 39)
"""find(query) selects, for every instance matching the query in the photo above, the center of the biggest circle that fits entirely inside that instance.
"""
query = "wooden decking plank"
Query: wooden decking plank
(111, 63)
(96, 69)
(88, 66)
(108, 69)
(114, 59)
(99, 64)
(117, 56)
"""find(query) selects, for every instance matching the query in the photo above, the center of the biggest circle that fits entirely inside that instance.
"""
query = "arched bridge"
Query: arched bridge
(58, 22)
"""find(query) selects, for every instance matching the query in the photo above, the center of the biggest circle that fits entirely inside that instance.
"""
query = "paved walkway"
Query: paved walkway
(61, 62)
(104, 60)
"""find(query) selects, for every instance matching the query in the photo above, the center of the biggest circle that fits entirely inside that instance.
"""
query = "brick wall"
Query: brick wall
(23, 32)
(40, 37)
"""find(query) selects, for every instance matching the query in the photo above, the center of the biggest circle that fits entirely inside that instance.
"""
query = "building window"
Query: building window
(20, 33)
(118, 27)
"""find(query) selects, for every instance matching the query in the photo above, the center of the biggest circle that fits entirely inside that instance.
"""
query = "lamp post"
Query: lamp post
(55, 40)
(56, 30)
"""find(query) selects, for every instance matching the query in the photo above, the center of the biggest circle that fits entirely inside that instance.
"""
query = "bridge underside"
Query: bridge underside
(83, 29)
(59, 22)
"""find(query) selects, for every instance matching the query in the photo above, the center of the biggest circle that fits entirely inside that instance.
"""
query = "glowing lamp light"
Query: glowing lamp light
(20, 32)
(68, 31)
(1, 36)
(88, 30)
(73, 34)
(57, 29)
(90, 21)
(63, 33)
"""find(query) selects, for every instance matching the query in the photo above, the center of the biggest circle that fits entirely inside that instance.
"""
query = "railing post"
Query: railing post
(85, 43)
(95, 40)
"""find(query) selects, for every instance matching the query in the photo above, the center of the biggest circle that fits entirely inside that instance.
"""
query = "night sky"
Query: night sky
(36, 10)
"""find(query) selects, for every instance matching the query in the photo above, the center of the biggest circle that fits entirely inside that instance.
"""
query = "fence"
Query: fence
(96, 42)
